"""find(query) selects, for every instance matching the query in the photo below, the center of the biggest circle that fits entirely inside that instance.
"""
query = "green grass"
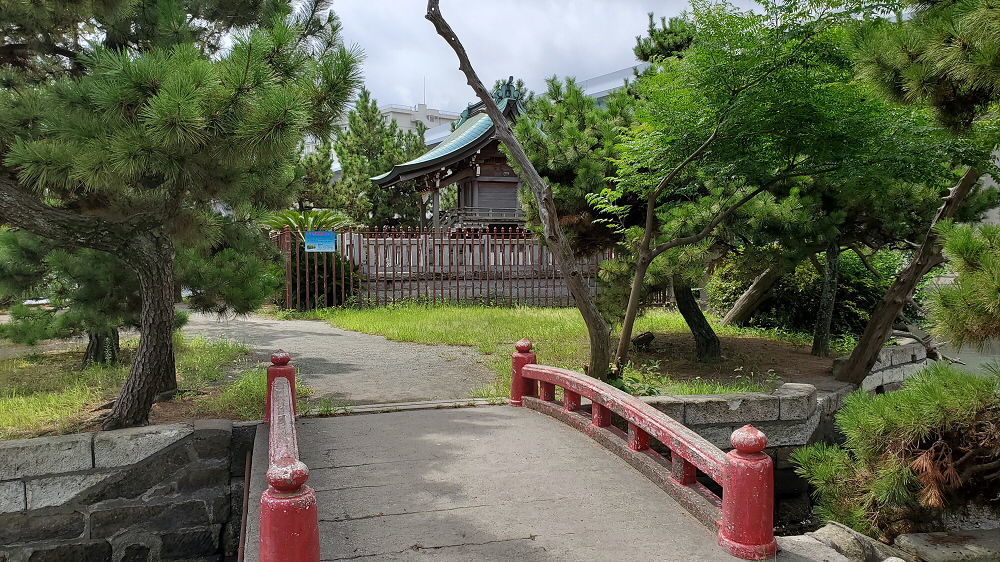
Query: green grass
(246, 398)
(559, 334)
(49, 393)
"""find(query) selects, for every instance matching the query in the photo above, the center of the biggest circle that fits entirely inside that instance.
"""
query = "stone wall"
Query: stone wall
(895, 364)
(168, 492)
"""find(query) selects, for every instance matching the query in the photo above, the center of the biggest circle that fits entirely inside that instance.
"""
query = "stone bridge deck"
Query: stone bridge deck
(487, 483)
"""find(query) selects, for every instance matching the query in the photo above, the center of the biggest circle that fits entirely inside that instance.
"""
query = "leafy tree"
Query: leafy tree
(751, 109)
(128, 155)
(944, 57)
(371, 145)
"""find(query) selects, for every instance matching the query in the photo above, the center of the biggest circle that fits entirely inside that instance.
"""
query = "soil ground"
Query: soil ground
(741, 356)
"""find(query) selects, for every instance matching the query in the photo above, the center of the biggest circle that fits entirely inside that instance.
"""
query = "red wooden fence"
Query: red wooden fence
(743, 515)
(373, 267)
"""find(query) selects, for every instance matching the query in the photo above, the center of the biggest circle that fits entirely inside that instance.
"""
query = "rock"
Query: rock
(90, 551)
(856, 546)
(980, 545)
(804, 548)
(43, 524)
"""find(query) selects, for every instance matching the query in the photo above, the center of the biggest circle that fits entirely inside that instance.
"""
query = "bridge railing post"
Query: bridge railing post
(747, 526)
(289, 515)
(280, 368)
(520, 386)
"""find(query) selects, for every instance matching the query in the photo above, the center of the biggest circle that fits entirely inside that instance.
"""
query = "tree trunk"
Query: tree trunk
(706, 343)
(598, 328)
(153, 371)
(928, 255)
(103, 348)
(756, 294)
(827, 301)
(631, 310)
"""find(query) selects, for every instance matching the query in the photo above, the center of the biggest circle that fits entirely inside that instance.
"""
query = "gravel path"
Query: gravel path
(356, 368)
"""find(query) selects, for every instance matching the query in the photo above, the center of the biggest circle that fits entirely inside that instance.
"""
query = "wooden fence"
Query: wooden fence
(497, 266)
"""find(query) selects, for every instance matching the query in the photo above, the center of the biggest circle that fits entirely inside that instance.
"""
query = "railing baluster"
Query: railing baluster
(681, 470)
(571, 401)
(638, 440)
(600, 416)
(547, 391)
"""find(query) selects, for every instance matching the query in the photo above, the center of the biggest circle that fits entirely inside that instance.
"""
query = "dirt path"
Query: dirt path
(355, 368)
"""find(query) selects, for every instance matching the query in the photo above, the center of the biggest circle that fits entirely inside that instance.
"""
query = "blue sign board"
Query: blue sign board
(321, 241)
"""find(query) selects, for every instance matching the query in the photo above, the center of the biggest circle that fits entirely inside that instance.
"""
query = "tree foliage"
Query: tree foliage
(371, 145)
(571, 141)
(908, 454)
(132, 153)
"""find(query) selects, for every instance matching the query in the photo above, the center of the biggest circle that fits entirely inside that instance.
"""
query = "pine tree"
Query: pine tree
(314, 178)
(128, 154)
(371, 145)
(670, 39)
(943, 56)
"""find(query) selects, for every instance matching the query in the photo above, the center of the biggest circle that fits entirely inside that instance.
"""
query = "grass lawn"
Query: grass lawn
(561, 340)
(45, 393)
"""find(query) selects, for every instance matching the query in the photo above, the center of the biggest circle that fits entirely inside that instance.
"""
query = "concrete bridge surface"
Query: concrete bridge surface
(486, 483)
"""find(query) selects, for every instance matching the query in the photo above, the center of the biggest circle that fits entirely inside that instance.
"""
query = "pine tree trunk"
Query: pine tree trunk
(103, 348)
(756, 294)
(706, 343)
(827, 301)
(928, 255)
(153, 371)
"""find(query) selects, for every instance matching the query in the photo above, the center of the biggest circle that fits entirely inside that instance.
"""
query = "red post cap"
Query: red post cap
(749, 439)
(287, 474)
(523, 345)
(280, 357)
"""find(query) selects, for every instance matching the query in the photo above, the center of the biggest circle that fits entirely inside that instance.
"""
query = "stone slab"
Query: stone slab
(57, 490)
(749, 407)
(981, 545)
(672, 406)
(45, 455)
(128, 446)
(790, 433)
(872, 381)
(796, 401)
(11, 496)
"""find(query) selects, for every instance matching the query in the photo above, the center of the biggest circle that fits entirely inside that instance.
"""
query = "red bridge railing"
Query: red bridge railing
(289, 518)
(743, 515)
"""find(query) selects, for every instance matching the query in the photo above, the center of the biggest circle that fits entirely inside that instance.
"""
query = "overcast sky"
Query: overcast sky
(529, 39)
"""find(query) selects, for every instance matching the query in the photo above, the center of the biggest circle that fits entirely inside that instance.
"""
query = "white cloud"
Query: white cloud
(529, 39)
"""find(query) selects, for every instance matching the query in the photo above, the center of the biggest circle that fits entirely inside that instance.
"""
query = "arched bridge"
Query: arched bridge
(506, 483)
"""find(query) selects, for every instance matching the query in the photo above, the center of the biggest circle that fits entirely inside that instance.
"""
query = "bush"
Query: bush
(792, 305)
(909, 454)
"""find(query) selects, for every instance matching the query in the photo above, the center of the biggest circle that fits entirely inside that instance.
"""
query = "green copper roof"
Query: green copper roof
(472, 130)
(475, 130)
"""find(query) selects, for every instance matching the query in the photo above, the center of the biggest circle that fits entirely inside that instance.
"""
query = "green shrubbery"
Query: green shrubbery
(909, 453)
(792, 305)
